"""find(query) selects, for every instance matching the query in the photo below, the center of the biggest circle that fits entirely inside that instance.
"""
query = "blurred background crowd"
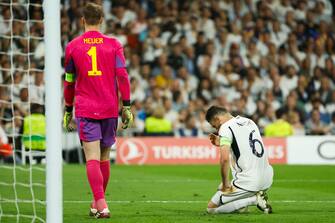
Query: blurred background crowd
(270, 60)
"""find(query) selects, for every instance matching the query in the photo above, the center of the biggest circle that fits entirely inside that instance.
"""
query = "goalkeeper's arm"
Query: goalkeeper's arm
(124, 87)
(69, 87)
(69, 84)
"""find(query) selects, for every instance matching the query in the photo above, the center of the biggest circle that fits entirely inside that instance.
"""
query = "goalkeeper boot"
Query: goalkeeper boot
(105, 213)
(93, 209)
(262, 202)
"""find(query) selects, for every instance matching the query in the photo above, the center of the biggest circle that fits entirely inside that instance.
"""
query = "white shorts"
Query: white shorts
(221, 198)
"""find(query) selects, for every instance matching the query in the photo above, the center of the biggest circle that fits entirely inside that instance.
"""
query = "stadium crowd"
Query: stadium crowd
(270, 60)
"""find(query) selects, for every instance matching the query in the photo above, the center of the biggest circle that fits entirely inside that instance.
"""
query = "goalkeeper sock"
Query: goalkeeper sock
(95, 180)
(105, 170)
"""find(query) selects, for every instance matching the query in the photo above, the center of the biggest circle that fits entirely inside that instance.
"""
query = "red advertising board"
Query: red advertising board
(277, 150)
(162, 150)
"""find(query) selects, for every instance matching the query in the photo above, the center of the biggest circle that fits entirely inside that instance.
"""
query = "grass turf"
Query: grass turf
(177, 194)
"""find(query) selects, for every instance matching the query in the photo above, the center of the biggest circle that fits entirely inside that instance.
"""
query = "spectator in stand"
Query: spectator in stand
(164, 80)
(240, 107)
(23, 105)
(190, 129)
(332, 125)
(315, 126)
(270, 100)
(279, 128)
(37, 89)
(325, 90)
(260, 111)
(314, 83)
(176, 59)
(136, 90)
(277, 89)
(291, 105)
(290, 80)
(188, 81)
(196, 53)
(170, 113)
(330, 107)
(134, 68)
(293, 119)
(278, 36)
(159, 66)
(316, 104)
(268, 118)
(303, 96)
(157, 125)
(330, 67)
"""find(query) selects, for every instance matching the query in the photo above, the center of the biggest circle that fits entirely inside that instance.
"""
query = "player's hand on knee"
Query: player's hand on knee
(225, 188)
(127, 117)
(228, 189)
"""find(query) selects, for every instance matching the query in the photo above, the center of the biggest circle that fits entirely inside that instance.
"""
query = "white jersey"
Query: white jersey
(249, 160)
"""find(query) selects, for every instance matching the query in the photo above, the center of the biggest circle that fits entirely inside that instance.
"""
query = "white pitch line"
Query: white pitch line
(305, 180)
(183, 202)
(205, 181)
(297, 201)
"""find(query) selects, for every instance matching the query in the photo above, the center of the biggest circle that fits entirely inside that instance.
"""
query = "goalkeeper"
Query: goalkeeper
(95, 71)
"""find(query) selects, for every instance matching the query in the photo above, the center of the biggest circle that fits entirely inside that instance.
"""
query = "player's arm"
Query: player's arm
(69, 87)
(223, 140)
(124, 87)
(225, 167)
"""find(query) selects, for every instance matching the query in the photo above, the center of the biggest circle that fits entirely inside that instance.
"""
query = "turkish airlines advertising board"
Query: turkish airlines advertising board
(169, 150)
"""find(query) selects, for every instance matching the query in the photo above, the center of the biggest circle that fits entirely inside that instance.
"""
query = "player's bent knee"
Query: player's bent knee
(215, 200)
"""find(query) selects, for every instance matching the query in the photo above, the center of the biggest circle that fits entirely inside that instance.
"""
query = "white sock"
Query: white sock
(235, 205)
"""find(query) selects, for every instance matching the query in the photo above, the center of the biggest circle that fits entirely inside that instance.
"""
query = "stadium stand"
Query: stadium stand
(271, 60)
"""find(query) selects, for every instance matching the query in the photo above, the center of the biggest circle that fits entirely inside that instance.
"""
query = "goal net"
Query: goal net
(22, 120)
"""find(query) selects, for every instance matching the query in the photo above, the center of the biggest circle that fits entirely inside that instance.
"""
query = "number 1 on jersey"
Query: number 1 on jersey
(93, 54)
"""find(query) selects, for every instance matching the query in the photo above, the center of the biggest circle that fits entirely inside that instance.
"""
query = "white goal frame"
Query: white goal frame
(53, 71)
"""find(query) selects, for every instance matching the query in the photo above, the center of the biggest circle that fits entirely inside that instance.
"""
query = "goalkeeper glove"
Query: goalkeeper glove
(127, 117)
(67, 118)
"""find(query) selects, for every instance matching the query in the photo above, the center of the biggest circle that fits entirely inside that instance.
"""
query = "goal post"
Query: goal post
(54, 185)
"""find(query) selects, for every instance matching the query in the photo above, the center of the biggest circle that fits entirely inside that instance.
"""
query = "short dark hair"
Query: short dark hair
(92, 13)
(36, 108)
(214, 111)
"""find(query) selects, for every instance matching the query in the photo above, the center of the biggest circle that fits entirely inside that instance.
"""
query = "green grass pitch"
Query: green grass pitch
(177, 194)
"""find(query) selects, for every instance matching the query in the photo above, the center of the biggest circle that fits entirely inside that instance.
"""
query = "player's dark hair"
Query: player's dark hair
(214, 111)
(92, 13)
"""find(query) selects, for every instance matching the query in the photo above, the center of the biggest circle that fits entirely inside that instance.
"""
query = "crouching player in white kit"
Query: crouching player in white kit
(239, 139)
